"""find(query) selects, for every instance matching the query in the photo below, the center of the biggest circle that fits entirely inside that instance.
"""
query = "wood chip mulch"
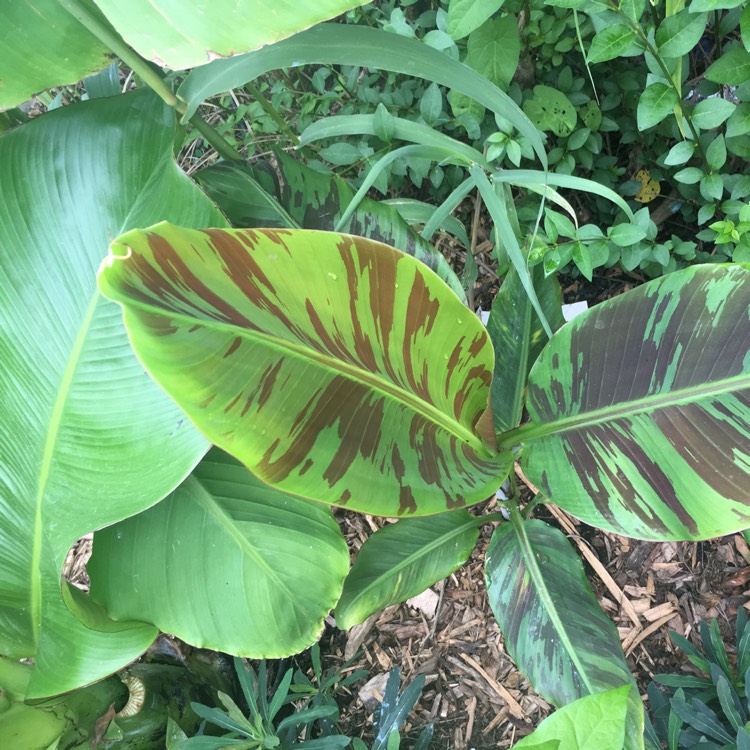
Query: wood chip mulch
(473, 693)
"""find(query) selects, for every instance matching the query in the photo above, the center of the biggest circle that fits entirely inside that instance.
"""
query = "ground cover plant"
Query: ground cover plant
(276, 320)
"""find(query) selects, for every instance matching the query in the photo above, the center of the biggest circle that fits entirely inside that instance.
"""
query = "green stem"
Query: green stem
(153, 79)
(269, 109)
(222, 146)
(537, 500)
(492, 517)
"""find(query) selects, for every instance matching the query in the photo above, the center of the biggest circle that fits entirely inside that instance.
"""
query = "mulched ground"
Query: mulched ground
(473, 693)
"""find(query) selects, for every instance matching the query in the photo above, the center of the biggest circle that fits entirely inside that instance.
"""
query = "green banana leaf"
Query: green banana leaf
(402, 560)
(640, 409)
(553, 625)
(181, 34)
(313, 200)
(225, 562)
(334, 367)
(86, 437)
(518, 338)
(594, 722)
(340, 44)
(248, 194)
(42, 45)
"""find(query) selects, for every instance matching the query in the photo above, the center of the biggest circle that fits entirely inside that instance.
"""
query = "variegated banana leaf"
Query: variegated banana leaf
(553, 625)
(640, 409)
(334, 367)
(313, 200)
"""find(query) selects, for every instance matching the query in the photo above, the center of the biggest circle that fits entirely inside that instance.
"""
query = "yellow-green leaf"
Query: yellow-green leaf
(334, 367)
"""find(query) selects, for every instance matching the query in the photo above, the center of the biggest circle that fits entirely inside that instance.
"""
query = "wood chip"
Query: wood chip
(659, 612)
(617, 593)
(471, 711)
(357, 636)
(647, 632)
(510, 701)
(500, 717)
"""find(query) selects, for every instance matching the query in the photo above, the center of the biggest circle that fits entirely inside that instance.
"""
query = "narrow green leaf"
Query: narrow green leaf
(745, 27)
(402, 560)
(466, 15)
(343, 125)
(655, 103)
(683, 681)
(305, 355)
(530, 177)
(674, 727)
(699, 716)
(361, 46)
(678, 34)
(610, 42)
(694, 656)
(496, 205)
(717, 647)
(733, 67)
(552, 623)
(697, 6)
(643, 429)
(593, 722)
(729, 701)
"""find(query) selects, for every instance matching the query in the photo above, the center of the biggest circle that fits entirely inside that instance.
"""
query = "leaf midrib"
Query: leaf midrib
(409, 400)
(45, 468)
(632, 408)
(537, 576)
(225, 521)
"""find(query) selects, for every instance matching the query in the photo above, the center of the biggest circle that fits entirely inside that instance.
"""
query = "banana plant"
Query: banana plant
(324, 367)
(344, 371)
